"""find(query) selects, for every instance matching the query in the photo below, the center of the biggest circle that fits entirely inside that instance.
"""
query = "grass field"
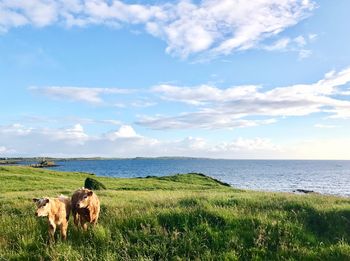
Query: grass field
(181, 217)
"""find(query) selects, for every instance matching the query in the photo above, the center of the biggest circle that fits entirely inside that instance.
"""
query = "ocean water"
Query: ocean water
(327, 177)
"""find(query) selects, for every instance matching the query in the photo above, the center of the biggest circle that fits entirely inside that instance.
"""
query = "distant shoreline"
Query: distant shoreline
(31, 159)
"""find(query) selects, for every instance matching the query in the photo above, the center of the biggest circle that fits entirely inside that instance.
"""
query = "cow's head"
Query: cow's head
(84, 198)
(43, 206)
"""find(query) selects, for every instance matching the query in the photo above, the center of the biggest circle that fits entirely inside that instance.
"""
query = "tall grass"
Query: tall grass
(181, 217)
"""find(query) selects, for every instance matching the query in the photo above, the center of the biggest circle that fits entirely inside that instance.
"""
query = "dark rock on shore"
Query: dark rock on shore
(305, 191)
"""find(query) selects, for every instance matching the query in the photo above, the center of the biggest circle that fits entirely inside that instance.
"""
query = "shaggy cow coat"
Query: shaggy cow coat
(57, 211)
(85, 207)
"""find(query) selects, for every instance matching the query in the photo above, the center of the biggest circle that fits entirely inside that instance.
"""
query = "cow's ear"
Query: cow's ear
(46, 200)
(35, 200)
(90, 193)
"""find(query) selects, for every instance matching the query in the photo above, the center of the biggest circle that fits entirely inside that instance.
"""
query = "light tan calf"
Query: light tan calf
(85, 207)
(57, 211)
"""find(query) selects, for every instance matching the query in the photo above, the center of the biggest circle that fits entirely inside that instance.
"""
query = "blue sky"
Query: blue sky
(221, 79)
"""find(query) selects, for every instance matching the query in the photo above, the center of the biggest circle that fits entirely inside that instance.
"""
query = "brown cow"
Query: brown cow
(57, 211)
(85, 207)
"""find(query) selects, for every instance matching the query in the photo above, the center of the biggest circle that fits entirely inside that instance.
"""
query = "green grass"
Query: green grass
(180, 217)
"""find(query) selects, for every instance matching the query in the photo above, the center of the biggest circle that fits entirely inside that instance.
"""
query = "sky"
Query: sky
(260, 79)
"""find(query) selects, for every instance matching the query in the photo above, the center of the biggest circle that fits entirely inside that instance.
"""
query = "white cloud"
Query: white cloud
(204, 93)
(300, 40)
(280, 44)
(111, 97)
(330, 148)
(84, 94)
(297, 44)
(325, 126)
(36, 119)
(4, 151)
(113, 122)
(17, 129)
(142, 104)
(194, 143)
(237, 106)
(339, 112)
(256, 144)
(15, 13)
(345, 93)
(71, 141)
(75, 134)
(134, 104)
(201, 120)
(217, 26)
(312, 37)
(125, 131)
(304, 53)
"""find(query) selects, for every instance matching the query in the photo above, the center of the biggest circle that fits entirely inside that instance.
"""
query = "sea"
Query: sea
(322, 176)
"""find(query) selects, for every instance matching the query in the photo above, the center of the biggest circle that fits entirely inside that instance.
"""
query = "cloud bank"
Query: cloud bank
(213, 26)
(244, 106)
(211, 107)
(123, 142)
(17, 140)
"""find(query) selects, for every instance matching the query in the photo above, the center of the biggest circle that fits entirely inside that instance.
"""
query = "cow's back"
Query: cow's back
(59, 211)
(67, 204)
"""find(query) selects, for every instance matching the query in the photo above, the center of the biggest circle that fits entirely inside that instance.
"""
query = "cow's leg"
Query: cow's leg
(76, 218)
(64, 226)
(96, 217)
(52, 229)
(83, 223)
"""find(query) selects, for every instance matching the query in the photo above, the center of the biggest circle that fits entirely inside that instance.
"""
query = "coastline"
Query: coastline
(325, 177)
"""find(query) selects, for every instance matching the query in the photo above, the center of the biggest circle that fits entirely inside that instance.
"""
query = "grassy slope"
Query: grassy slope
(177, 217)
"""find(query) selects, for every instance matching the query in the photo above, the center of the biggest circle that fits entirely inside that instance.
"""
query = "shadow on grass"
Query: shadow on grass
(329, 226)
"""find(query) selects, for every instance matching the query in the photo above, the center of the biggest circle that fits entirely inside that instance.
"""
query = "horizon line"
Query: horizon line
(162, 157)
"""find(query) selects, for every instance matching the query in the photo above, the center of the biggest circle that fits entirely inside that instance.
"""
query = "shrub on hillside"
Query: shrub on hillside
(93, 184)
